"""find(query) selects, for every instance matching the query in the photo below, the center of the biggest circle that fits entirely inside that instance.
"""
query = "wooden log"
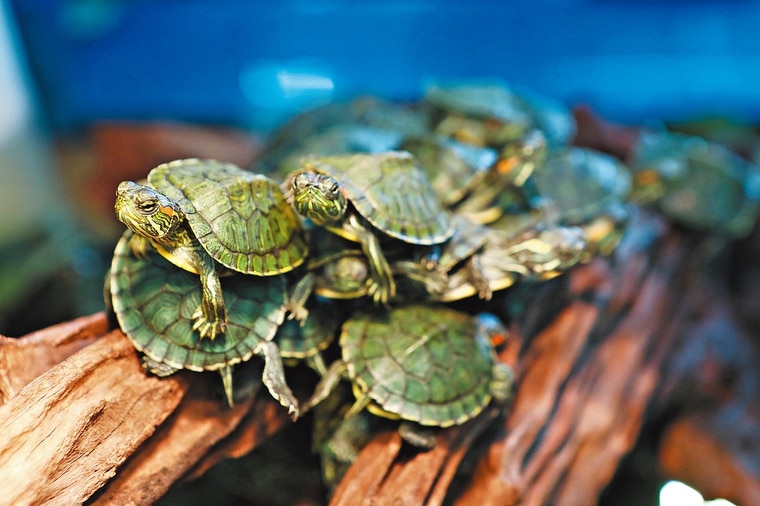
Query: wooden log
(69, 430)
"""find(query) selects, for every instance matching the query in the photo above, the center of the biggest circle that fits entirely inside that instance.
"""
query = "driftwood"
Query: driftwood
(68, 430)
(638, 347)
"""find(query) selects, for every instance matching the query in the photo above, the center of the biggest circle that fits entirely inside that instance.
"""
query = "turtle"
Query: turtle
(480, 260)
(364, 124)
(425, 364)
(678, 173)
(501, 188)
(494, 113)
(363, 197)
(539, 253)
(206, 217)
(483, 114)
(154, 303)
(576, 184)
(576, 187)
(305, 340)
(338, 270)
(476, 181)
(454, 168)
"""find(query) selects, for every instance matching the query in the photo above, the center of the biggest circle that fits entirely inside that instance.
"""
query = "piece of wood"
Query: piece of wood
(68, 431)
(22, 360)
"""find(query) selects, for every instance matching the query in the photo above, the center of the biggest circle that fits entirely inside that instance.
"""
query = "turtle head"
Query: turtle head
(317, 197)
(146, 211)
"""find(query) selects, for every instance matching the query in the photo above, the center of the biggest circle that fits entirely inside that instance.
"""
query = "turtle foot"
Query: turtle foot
(158, 368)
(297, 312)
(208, 328)
(418, 436)
(381, 292)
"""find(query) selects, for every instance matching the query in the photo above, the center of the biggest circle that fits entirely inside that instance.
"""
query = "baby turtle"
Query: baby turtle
(305, 340)
(535, 254)
(427, 364)
(200, 212)
(363, 196)
(680, 173)
(154, 303)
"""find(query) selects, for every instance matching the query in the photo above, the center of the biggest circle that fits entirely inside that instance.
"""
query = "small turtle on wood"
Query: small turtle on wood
(362, 197)
(154, 303)
(427, 364)
(203, 214)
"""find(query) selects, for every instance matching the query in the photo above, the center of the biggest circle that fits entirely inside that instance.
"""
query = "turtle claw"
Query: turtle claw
(297, 312)
(206, 327)
(381, 291)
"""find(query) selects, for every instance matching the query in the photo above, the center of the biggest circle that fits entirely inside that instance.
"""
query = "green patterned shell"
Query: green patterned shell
(579, 184)
(681, 173)
(303, 340)
(429, 364)
(391, 192)
(154, 302)
(240, 218)
(454, 168)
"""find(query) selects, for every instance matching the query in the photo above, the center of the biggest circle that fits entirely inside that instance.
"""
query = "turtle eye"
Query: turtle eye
(147, 206)
(334, 189)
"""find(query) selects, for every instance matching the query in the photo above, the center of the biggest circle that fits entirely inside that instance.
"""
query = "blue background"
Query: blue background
(254, 63)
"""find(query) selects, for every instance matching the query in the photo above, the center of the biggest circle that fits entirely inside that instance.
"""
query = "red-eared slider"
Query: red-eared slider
(200, 212)
(535, 254)
(474, 181)
(680, 173)
(454, 168)
(363, 125)
(428, 364)
(305, 340)
(479, 260)
(338, 269)
(501, 188)
(154, 303)
(357, 195)
(494, 113)
(580, 187)
(480, 114)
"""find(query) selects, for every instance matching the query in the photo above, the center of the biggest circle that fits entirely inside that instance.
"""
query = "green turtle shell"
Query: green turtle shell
(430, 364)
(240, 218)
(154, 302)
(391, 192)
(303, 340)
(579, 183)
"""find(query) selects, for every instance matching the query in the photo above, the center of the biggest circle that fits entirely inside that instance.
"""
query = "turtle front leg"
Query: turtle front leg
(211, 316)
(382, 286)
(329, 380)
(158, 368)
(298, 296)
(478, 278)
(273, 378)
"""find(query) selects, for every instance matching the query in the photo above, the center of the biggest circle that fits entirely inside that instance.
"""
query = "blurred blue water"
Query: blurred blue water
(255, 63)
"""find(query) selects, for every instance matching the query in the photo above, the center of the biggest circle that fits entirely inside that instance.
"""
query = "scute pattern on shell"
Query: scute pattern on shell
(240, 218)
(391, 193)
(424, 363)
(154, 302)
